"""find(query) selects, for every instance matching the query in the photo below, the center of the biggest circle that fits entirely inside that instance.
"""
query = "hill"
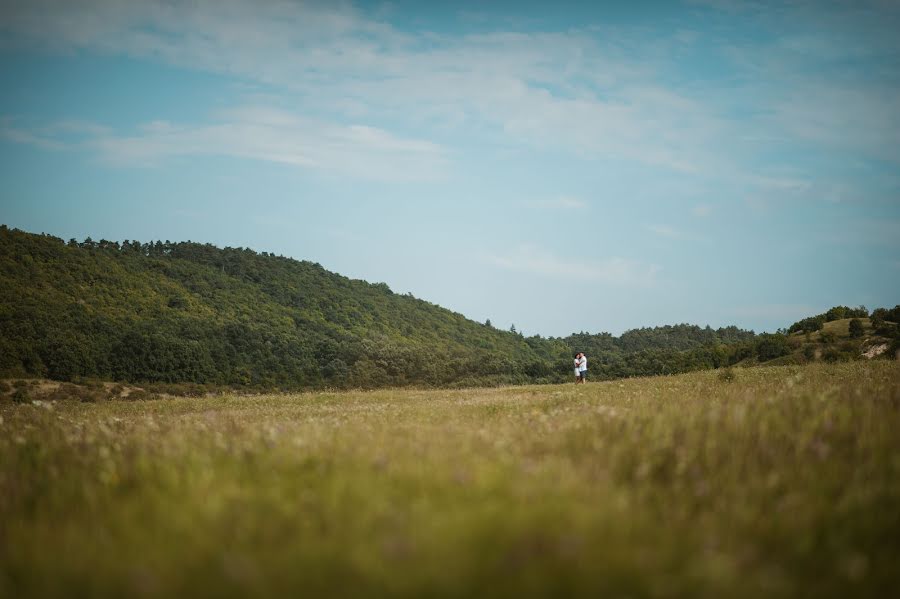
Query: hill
(187, 312)
(837, 342)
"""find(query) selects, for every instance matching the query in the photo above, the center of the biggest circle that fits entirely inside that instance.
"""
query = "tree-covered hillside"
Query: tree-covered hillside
(187, 312)
(194, 313)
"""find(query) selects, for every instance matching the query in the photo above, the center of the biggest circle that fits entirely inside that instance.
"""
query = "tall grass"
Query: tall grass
(775, 482)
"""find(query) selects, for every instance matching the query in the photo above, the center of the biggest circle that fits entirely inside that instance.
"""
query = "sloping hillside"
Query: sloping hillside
(186, 312)
(194, 313)
(836, 342)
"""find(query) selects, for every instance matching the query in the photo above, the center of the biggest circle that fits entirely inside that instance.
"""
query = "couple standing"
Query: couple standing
(580, 367)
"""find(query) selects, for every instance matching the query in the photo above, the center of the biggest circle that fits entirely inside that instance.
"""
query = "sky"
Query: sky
(559, 166)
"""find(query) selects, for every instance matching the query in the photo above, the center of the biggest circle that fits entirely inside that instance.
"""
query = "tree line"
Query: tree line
(186, 312)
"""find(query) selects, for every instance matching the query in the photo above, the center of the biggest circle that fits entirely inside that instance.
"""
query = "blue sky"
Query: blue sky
(561, 166)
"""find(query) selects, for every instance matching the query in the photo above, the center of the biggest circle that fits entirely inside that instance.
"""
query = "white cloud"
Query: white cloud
(31, 138)
(669, 232)
(567, 90)
(615, 271)
(702, 210)
(589, 94)
(562, 202)
(259, 133)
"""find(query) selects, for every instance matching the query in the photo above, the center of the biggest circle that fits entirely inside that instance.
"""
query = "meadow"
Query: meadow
(777, 482)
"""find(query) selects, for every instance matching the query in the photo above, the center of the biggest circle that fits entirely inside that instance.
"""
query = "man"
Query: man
(582, 367)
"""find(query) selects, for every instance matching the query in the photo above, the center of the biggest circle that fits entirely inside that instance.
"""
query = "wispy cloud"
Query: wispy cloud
(43, 138)
(670, 232)
(347, 62)
(258, 133)
(596, 96)
(615, 271)
(561, 202)
(702, 210)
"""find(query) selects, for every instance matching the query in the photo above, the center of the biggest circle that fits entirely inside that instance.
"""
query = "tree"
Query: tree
(836, 313)
(856, 328)
(771, 346)
(487, 323)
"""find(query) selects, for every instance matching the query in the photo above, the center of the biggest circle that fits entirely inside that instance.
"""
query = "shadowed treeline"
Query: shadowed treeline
(194, 313)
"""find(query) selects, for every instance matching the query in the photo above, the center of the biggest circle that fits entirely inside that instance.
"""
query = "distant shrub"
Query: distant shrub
(21, 396)
(833, 354)
(727, 375)
(827, 336)
(88, 382)
(63, 392)
(856, 328)
(4, 387)
(808, 325)
(809, 352)
(770, 347)
(88, 395)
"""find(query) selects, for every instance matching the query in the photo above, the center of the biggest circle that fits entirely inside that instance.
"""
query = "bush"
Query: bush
(64, 392)
(856, 328)
(21, 396)
(727, 375)
(833, 354)
(87, 394)
(770, 347)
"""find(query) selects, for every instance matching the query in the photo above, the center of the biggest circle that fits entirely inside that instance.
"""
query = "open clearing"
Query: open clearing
(779, 482)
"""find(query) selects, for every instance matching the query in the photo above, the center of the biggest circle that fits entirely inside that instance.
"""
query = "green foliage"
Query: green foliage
(808, 325)
(809, 352)
(727, 375)
(769, 347)
(21, 395)
(885, 322)
(190, 313)
(856, 328)
(835, 354)
(828, 337)
(815, 323)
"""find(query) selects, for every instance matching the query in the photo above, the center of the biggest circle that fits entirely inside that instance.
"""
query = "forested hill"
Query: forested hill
(187, 312)
(190, 312)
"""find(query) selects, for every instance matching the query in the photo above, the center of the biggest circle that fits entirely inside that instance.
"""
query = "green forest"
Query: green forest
(187, 312)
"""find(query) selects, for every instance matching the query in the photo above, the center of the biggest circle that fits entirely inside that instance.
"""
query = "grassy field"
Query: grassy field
(755, 482)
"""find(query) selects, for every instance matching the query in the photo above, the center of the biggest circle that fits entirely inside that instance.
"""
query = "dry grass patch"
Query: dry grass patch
(777, 482)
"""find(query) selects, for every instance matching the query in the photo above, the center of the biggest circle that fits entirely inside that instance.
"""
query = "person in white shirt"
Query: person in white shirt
(577, 368)
(581, 367)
